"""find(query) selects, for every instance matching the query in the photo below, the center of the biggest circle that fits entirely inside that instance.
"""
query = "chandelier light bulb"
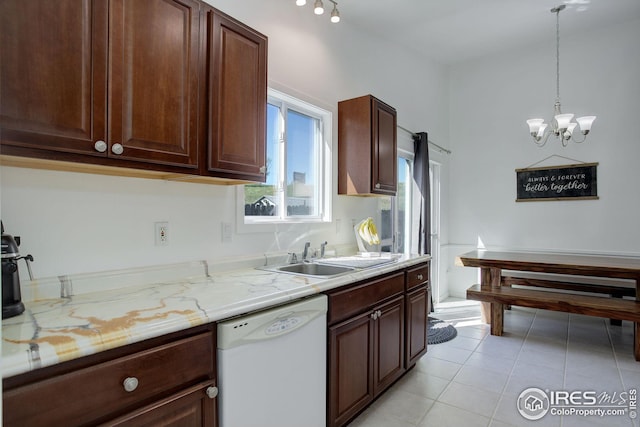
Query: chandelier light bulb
(534, 125)
(541, 130)
(318, 7)
(563, 120)
(585, 123)
(301, 2)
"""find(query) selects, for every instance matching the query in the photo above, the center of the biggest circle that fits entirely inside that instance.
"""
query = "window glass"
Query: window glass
(297, 144)
(302, 160)
(395, 212)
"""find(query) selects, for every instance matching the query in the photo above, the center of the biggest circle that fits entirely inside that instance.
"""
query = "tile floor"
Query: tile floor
(475, 379)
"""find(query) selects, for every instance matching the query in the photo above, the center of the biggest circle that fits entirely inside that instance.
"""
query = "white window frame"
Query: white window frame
(324, 167)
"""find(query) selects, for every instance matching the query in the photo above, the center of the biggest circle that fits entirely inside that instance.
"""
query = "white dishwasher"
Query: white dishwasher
(272, 367)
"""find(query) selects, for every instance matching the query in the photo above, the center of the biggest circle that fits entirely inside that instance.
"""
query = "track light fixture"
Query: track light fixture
(318, 9)
(335, 14)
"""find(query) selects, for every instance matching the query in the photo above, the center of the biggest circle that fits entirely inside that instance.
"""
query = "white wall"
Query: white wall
(74, 223)
(490, 101)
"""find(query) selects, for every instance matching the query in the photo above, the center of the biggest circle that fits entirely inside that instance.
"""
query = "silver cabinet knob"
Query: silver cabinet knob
(212, 392)
(379, 313)
(117, 148)
(378, 185)
(420, 276)
(100, 146)
(374, 315)
(263, 170)
(130, 384)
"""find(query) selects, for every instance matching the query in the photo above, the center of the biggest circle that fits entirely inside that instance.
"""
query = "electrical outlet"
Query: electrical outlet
(162, 233)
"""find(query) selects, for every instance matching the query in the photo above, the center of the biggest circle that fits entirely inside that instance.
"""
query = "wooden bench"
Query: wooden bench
(612, 308)
(614, 288)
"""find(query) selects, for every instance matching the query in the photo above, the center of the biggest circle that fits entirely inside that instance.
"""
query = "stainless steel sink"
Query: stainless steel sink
(311, 269)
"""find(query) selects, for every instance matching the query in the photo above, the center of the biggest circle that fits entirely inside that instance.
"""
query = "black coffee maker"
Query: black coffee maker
(11, 297)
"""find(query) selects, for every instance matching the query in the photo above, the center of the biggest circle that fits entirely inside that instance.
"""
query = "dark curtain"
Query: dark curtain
(421, 177)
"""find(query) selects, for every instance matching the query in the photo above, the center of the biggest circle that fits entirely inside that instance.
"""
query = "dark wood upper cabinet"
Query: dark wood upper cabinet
(153, 81)
(237, 80)
(53, 74)
(367, 147)
(173, 88)
(114, 78)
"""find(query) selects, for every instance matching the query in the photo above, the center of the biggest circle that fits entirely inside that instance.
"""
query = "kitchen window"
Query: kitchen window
(397, 212)
(298, 165)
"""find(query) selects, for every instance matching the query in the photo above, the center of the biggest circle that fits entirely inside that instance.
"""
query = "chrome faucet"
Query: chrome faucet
(305, 252)
(322, 248)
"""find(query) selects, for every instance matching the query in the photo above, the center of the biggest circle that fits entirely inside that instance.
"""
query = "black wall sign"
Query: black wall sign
(557, 183)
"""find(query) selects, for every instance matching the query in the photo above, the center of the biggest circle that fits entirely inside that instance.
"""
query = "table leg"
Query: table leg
(636, 326)
(636, 340)
(492, 313)
(497, 318)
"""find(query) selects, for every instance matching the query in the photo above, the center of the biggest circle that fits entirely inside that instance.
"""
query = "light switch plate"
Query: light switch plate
(227, 231)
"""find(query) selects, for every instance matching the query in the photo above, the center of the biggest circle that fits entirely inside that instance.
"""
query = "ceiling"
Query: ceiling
(451, 31)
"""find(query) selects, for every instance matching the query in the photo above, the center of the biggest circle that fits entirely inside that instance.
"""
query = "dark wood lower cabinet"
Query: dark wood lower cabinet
(366, 356)
(350, 368)
(417, 324)
(377, 331)
(388, 351)
(167, 381)
(191, 407)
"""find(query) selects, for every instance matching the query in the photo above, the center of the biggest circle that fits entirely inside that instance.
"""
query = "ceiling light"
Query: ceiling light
(561, 125)
(318, 8)
(335, 15)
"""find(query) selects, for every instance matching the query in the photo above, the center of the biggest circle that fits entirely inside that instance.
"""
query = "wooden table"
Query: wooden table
(492, 263)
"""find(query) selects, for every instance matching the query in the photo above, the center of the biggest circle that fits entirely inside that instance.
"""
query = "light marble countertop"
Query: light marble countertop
(68, 317)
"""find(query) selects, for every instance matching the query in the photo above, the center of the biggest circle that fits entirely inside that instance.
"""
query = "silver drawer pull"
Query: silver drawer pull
(212, 392)
(130, 384)
(420, 277)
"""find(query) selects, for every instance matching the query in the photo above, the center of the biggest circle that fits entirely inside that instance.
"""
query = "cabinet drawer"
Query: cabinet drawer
(348, 302)
(92, 393)
(417, 276)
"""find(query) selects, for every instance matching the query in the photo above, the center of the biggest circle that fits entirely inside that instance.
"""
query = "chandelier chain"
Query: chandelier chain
(558, 55)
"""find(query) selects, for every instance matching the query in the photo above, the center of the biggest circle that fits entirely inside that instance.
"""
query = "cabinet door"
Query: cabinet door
(388, 344)
(237, 99)
(350, 368)
(191, 407)
(53, 78)
(384, 162)
(153, 76)
(417, 313)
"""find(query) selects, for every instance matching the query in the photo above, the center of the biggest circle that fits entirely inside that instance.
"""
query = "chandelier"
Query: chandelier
(318, 9)
(561, 125)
